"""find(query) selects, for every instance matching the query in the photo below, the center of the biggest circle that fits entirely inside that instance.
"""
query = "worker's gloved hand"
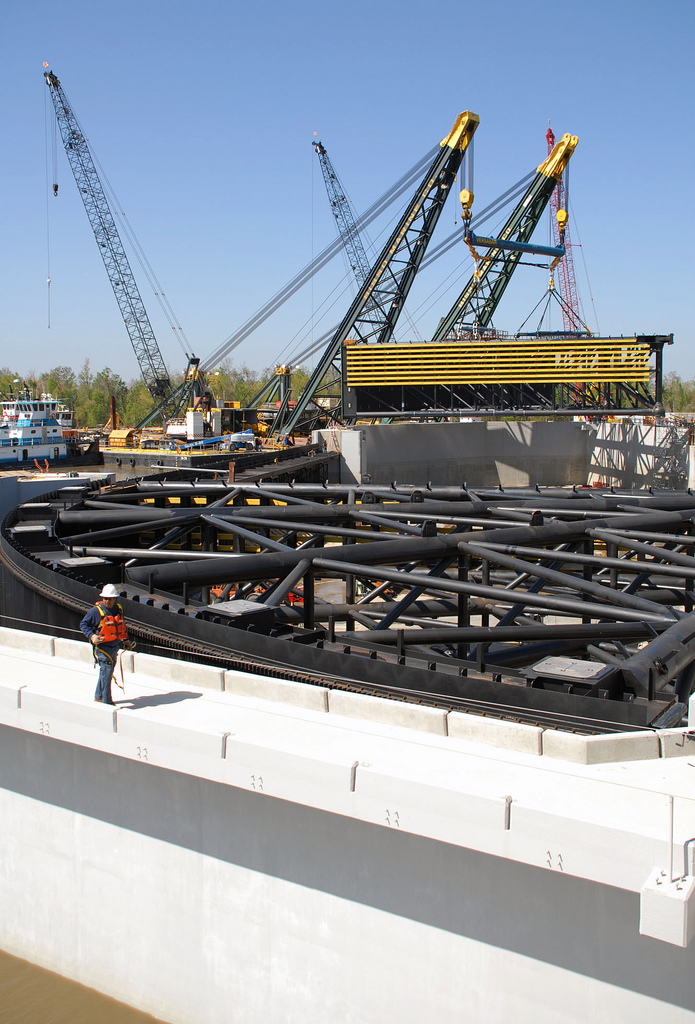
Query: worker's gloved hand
(94, 639)
(129, 645)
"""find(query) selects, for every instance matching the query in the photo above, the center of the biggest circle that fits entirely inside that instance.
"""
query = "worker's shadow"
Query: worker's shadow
(133, 703)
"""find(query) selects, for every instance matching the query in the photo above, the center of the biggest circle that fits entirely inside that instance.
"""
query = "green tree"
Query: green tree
(235, 383)
(678, 395)
(137, 403)
(7, 381)
(61, 382)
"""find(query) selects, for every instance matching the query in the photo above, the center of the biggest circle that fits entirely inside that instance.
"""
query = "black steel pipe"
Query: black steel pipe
(268, 566)
(650, 669)
(562, 579)
(498, 634)
(523, 598)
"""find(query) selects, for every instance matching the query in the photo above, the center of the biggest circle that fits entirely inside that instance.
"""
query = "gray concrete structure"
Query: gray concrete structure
(481, 453)
(513, 454)
(16, 488)
(227, 855)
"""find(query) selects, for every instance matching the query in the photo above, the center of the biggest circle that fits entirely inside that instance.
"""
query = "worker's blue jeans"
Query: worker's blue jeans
(106, 659)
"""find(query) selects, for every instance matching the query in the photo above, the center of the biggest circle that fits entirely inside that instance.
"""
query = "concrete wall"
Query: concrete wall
(201, 902)
(515, 454)
(15, 489)
(637, 455)
(482, 454)
(229, 847)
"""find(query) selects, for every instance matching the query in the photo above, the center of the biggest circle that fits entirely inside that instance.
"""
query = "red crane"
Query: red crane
(571, 316)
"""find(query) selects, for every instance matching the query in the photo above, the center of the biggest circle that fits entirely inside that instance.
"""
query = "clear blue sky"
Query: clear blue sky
(202, 116)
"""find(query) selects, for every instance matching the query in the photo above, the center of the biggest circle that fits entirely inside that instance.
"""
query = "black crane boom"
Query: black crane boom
(110, 246)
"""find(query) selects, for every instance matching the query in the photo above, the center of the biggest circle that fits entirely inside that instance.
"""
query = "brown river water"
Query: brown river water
(32, 995)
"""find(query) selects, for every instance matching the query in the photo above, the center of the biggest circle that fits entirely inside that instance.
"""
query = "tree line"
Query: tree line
(679, 394)
(88, 392)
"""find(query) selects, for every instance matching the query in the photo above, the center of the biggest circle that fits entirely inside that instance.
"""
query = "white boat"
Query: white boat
(32, 428)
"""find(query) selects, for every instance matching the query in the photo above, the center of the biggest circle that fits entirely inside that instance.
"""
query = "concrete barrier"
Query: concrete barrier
(495, 732)
(299, 695)
(316, 779)
(165, 744)
(567, 746)
(387, 712)
(178, 671)
(677, 742)
(74, 650)
(66, 720)
(445, 807)
(10, 698)
(20, 639)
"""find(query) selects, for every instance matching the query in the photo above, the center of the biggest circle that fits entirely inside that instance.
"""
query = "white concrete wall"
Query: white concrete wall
(638, 455)
(249, 854)
(205, 903)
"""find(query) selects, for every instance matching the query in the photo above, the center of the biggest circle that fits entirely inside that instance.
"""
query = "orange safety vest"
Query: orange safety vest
(112, 626)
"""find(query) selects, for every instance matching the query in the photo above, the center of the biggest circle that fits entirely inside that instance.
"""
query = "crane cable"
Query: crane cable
(51, 146)
(253, 322)
(115, 205)
(493, 208)
(142, 259)
(586, 271)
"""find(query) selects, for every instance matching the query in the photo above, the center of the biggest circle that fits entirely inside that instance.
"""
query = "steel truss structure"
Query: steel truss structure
(566, 607)
(347, 225)
(527, 375)
(374, 313)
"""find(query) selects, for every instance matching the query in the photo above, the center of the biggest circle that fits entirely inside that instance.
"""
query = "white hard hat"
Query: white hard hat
(108, 591)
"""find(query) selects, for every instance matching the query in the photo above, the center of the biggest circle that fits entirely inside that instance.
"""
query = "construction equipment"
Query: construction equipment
(537, 375)
(347, 227)
(169, 400)
(473, 310)
(373, 314)
(567, 290)
(470, 367)
(108, 240)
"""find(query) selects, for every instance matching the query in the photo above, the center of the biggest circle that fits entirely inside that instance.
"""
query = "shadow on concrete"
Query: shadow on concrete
(153, 701)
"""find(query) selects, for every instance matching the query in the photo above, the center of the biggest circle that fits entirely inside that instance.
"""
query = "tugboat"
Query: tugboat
(41, 432)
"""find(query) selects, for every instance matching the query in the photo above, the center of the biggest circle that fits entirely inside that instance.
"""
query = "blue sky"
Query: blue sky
(202, 117)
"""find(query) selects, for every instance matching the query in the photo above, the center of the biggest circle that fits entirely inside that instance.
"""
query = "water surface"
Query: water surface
(32, 995)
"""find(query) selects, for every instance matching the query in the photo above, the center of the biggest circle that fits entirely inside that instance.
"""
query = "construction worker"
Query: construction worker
(104, 626)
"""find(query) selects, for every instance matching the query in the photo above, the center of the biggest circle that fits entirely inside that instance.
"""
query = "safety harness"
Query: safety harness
(112, 629)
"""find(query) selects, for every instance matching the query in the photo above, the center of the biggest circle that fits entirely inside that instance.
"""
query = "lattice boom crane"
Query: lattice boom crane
(565, 268)
(474, 308)
(110, 246)
(374, 313)
(347, 228)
